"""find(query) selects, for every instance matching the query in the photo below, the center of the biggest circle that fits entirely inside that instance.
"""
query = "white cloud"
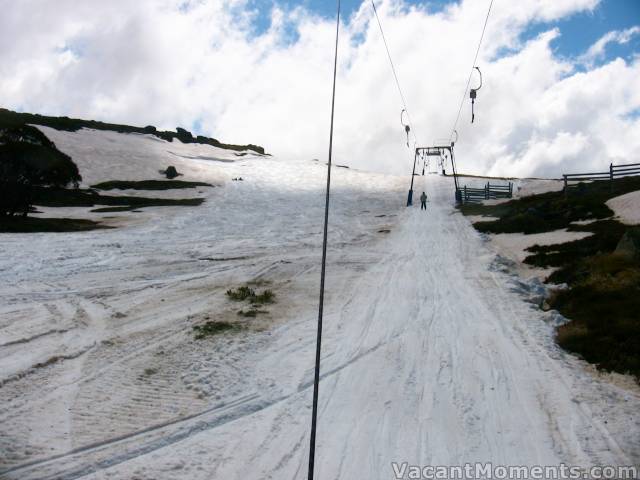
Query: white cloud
(597, 50)
(544, 153)
(171, 62)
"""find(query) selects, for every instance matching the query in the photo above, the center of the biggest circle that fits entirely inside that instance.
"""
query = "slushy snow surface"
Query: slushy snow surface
(432, 353)
(626, 207)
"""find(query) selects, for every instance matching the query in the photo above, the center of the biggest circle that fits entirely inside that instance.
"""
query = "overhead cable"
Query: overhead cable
(466, 88)
(393, 69)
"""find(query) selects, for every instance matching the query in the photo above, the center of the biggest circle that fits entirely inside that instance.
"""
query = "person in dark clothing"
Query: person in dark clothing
(423, 200)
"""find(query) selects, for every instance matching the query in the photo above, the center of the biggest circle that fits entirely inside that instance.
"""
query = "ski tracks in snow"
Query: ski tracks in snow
(429, 356)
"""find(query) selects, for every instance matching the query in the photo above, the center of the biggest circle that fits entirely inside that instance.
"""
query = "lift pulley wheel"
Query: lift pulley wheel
(406, 126)
(473, 93)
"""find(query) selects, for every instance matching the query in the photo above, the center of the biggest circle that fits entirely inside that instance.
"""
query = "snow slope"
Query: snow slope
(626, 207)
(431, 353)
(513, 246)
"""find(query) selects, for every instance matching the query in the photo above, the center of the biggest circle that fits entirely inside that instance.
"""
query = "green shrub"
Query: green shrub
(213, 328)
(265, 297)
(247, 293)
(241, 293)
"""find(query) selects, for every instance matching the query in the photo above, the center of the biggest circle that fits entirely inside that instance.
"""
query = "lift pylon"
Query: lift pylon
(433, 151)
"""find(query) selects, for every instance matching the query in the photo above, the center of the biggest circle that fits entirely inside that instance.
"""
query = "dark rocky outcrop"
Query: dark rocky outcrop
(629, 244)
(9, 118)
(28, 159)
(171, 172)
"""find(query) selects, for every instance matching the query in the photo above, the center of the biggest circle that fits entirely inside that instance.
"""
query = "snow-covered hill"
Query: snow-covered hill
(431, 353)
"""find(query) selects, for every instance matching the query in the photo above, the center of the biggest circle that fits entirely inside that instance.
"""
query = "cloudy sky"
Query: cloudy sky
(561, 77)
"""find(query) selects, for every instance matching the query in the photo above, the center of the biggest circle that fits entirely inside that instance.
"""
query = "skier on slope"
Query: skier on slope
(423, 200)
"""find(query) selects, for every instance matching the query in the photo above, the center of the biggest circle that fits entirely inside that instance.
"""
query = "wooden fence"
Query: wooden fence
(615, 171)
(488, 192)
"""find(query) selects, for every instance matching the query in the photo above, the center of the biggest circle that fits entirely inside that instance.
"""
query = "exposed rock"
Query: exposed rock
(171, 172)
(629, 244)
(183, 135)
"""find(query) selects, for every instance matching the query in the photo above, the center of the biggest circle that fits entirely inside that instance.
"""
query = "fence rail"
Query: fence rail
(488, 192)
(615, 171)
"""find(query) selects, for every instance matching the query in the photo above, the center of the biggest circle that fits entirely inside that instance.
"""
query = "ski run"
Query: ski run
(433, 350)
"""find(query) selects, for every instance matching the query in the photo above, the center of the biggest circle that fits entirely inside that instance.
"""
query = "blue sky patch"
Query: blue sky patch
(578, 31)
(581, 30)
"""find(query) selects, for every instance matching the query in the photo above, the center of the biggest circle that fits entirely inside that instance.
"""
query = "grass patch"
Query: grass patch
(38, 225)
(263, 298)
(485, 210)
(603, 298)
(212, 328)
(252, 313)
(605, 238)
(246, 293)
(148, 185)
(241, 294)
(603, 303)
(552, 210)
(67, 197)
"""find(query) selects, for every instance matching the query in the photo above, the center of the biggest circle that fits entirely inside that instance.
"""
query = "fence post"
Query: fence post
(466, 198)
(566, 188)
(611, 176)
(486, 191)
(510, 189)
